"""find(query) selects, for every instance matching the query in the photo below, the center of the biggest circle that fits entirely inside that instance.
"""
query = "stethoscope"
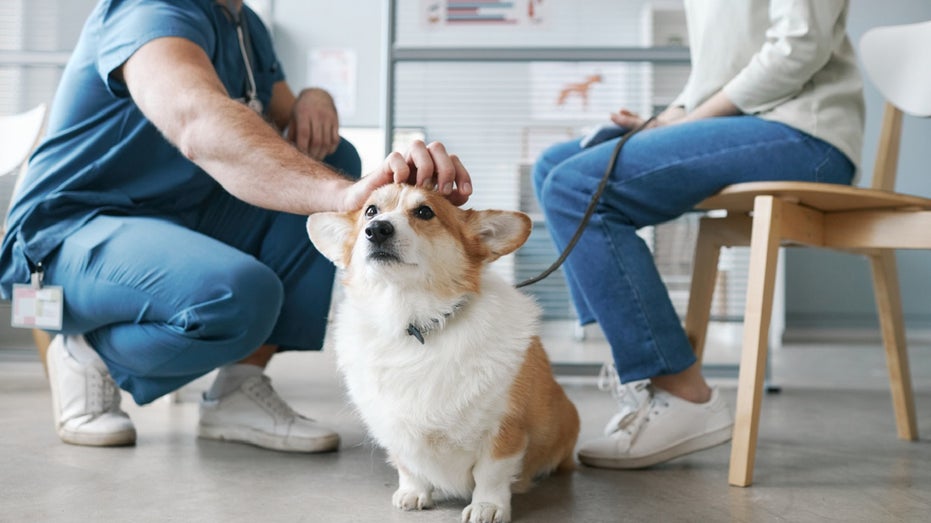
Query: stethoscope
(252, 93)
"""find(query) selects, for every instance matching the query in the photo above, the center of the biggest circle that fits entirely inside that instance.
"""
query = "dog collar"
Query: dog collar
(418, 330)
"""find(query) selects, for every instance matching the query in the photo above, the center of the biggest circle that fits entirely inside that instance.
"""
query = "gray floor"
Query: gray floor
(827, 452)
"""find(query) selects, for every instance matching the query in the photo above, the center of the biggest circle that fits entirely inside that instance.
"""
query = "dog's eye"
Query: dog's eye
(370, 211)
(423, 212)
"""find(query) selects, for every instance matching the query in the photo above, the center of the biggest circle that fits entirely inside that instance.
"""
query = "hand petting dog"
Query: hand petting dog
(428, 166)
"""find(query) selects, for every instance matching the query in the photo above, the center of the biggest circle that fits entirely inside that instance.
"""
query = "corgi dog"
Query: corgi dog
(439, 355)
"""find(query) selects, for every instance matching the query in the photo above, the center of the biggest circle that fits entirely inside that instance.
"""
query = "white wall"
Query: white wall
(302, 25)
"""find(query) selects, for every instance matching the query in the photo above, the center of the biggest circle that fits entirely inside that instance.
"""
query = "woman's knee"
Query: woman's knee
(539, 173)
(562, 192)
(548, 160)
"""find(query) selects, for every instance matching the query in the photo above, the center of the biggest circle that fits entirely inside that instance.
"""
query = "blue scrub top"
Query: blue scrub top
(100, 154)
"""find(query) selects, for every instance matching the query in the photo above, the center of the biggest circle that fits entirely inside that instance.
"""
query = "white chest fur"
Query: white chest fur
(435, 405)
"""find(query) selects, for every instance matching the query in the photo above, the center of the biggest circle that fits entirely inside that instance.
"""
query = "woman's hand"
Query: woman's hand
(427, 166)
(716, 105)
(628, 119)
(631, 120)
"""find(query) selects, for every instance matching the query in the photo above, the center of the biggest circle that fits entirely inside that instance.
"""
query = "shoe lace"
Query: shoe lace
(102, 393)
(635, 401)
(261, 390)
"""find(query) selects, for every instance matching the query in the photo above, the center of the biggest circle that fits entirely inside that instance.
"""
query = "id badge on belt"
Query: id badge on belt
(37, 306)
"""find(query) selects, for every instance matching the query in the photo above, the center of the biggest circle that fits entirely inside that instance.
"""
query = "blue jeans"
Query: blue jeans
(167, 299)
(661, 174)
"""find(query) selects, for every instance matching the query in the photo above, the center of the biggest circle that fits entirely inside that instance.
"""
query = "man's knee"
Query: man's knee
(240, 303)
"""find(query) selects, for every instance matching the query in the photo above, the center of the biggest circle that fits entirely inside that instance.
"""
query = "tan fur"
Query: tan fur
(450, 218)
(540, 417)
(347, 247)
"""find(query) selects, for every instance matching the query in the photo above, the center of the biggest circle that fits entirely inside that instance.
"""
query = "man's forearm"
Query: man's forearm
(173, 83)
(234, 145)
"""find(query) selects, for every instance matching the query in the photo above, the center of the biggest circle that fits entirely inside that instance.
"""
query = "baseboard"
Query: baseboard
(853, 335)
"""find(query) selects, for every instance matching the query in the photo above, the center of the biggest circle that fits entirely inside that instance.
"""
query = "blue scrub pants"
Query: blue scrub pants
(661, 174)
(167, 299)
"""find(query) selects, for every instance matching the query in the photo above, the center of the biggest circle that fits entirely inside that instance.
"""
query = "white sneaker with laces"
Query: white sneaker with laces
(654, 426)
(255, 414)
(85, 400)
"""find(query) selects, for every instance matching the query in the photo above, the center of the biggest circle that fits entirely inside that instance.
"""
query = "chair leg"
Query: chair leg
(713, 233)
(889, 304)
(764, 251)
(701, 291)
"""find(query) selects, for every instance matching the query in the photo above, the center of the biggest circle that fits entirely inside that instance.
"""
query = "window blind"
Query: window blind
(499, 116)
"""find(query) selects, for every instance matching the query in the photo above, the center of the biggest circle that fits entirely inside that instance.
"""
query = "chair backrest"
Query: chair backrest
(896, 60)
(19, 134)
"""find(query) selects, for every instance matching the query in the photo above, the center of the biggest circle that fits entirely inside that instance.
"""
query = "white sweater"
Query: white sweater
(788, 61)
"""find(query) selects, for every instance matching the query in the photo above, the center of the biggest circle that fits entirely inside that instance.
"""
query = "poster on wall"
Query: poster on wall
(462, 13)
(586, 90)
(334, 70)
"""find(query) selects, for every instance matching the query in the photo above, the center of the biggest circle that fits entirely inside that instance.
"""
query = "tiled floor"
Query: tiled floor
(827, 452)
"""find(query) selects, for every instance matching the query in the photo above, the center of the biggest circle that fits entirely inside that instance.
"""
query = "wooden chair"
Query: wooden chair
(871, 221)
(19, 134)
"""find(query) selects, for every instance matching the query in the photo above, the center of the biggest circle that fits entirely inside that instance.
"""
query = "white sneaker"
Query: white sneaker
(85, 400)
(255, 414)
(655, 426)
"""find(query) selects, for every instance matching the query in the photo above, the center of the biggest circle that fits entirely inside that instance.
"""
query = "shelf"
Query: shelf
(670, 54)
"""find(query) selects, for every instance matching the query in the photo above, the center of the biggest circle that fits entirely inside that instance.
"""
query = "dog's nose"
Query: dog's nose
(378, 231)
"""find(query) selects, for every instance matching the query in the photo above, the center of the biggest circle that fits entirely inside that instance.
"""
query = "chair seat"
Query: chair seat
(826, 197)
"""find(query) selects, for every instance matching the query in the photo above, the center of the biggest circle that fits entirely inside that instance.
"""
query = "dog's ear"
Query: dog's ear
(330, 233)
(502, 232)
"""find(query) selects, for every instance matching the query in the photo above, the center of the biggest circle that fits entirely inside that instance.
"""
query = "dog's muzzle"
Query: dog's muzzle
(378, 233)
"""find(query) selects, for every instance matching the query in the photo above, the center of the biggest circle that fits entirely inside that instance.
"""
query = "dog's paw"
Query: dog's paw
(484, 512)
(406, 499)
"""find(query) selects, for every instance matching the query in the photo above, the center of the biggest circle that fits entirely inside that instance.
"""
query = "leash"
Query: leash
(591, 207)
